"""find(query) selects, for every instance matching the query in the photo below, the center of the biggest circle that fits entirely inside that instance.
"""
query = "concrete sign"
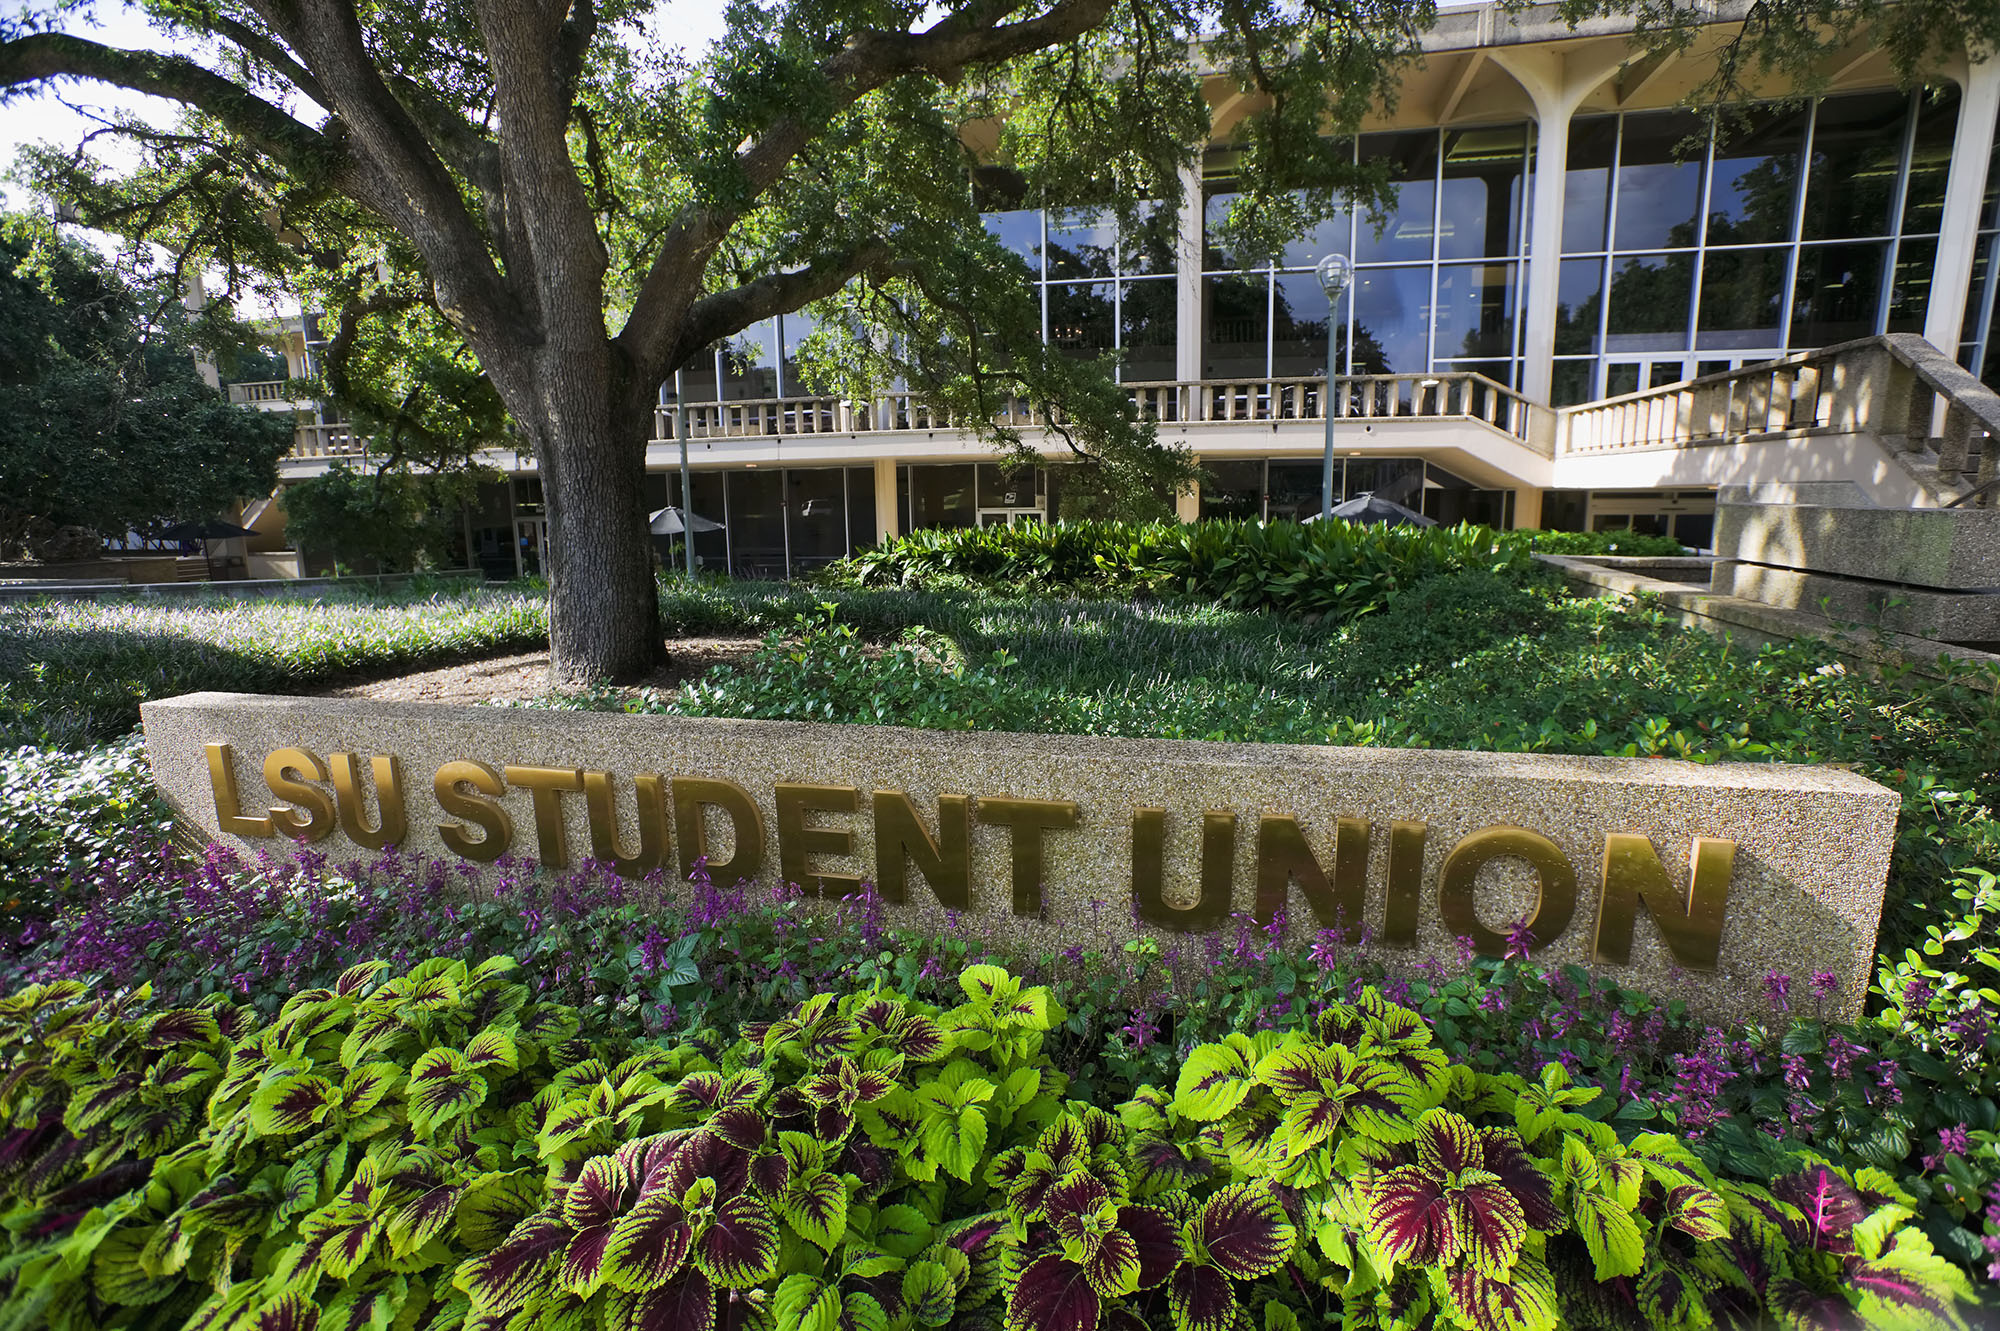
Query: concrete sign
(1683, 880)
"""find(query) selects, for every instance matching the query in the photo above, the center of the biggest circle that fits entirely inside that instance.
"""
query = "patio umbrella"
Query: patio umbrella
(670, 521)
(1368, 508)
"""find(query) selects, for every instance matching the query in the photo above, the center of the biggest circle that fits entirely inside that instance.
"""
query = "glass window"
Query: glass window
(1755, 179)
(1570, 382)
(757, 523)
(1214, 258)
(861, 528)
(794, 328)
(697, 378)
(1147, 314)
(1335, 235)
(1080, 318)
(1399, 480)
(1293, 489)
(749, 367)
(817, 516)
(1082, 244)
(1659, 181)
(1593, 143)
(1910, 287)
(1479, 213)
(1579, 303)
(1857, 153)
(1649, 302)
(711, 548)
(1238, 311)
(1298, 326)
(1019, 232)
(1234, 490)
(1742, 299)
(1406, 226)
(1392, 320)
(1149, 247)
(1006, 487)
(1930, 162)
(1475, 309)
(1838, 290)
(941, 496)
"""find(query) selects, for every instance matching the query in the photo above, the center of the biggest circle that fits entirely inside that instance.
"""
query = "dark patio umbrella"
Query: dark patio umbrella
(1368, 508)
(670, 521)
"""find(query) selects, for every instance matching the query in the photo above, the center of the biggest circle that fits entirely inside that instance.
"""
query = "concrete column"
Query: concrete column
(1187, 287)
(1971, 149)
(1187, 504)
(888, 522)
(1527, 507)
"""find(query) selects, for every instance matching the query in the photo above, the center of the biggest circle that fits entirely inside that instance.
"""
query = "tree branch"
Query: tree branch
(715, 317)
(46, 55)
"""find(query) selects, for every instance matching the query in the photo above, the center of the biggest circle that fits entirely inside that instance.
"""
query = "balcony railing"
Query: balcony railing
(328, 441)
(1434, 397)
(265, 390)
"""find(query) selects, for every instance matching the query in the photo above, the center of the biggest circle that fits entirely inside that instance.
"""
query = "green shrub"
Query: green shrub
(1601, 543)
(64, 814)
(436, 1150)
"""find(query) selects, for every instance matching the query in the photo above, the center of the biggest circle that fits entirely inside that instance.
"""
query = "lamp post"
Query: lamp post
(687, 483)
(1333, 272)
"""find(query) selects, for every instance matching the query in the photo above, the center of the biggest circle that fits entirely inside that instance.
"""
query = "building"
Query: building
(1516, 347)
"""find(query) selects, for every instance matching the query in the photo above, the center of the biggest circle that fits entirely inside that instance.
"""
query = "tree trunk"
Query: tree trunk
(604, 606)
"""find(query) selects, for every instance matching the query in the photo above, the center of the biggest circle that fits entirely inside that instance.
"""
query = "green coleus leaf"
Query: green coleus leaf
(1213, 1081)
(118, 1271)
(422, 1219)
(372, 1303)
(956, 1140)
(805, 1303)
(815, 1206)
(1523, 1300)
(367, 1085)
(1697, 1211)
(443, 1086)
(494, 1205)
(291, 1101)
(290, 1311)
(930, 1295)
(494, 1050)
(739, 1248)
(373, 1031)
(901, 1231)
(1617, 1248)
(519, 1268)
(341, 1235)
(354, 981)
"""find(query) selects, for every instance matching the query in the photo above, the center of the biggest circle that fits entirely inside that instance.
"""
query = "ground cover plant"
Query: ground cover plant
(440, 1149)
(74, 672)
(1473, 658)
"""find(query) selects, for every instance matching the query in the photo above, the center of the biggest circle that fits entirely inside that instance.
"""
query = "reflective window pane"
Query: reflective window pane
(1837, 293)
(1742, 299)
(1930, 162)
(1910, 286)
(1215, 207)
(1407, 224)
(1649, 302)
(1399, 480)
(1234, 490)
(757, 523)
(1236, 315)
(711, 548)
(816, 513)
(696, 378)
(1593, 144)
(1755, 179)
(1021, 233)
(1147, 313)
(749, 364)
(1004, 487)
(1293, 489)
(1298, 326)
(1659, 189)
(1080, 318)
(1857, 154)
(1475, 310)
(1335, 235)
(1082, 244)
(1570, 383)
(941, 496)
(861, 526)
(1480, 203)
(1149, 246)
(1391, 320)
(1579, 303)
(794, 329)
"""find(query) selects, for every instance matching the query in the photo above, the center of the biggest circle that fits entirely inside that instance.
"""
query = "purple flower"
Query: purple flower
(1778, 988)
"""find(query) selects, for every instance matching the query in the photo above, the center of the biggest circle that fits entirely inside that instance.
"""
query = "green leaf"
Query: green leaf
(1609, 1232)
(1213, 1081)
(291, 1102)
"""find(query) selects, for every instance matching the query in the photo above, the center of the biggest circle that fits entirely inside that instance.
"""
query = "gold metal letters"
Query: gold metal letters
(1218, 871)
(945, 863)
(649, 792)
(392, 826)
(481, 809)
(1283, 854)
(691, 793)
(547, 785)
(799, 840)
(229, 815)
(315, 802)
(1555, 879)
(1027, 819)
(1406, 883)
(1691, 923)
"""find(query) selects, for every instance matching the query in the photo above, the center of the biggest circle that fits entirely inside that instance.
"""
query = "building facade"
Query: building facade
(1563, 236)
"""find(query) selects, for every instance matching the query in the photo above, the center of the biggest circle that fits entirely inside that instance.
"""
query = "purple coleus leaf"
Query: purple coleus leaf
(1829, 1204)
(291, 1311)
(649, 1245)
(1246, 1232)
(740, 1247)
(1053, 1295)
(1409, 1217)
(591, 1207)
(1518, 1173)
(1803, 1308)
(685, 1304)
(1165, 1165)
(1156, 1241)
(917, 1038)
(505, 1278)
(1201, 1299)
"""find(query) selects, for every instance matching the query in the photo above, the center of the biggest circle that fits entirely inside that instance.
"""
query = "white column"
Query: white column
(1553, 107)
(1971, 148)
(888, 522)
(1187, 280)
